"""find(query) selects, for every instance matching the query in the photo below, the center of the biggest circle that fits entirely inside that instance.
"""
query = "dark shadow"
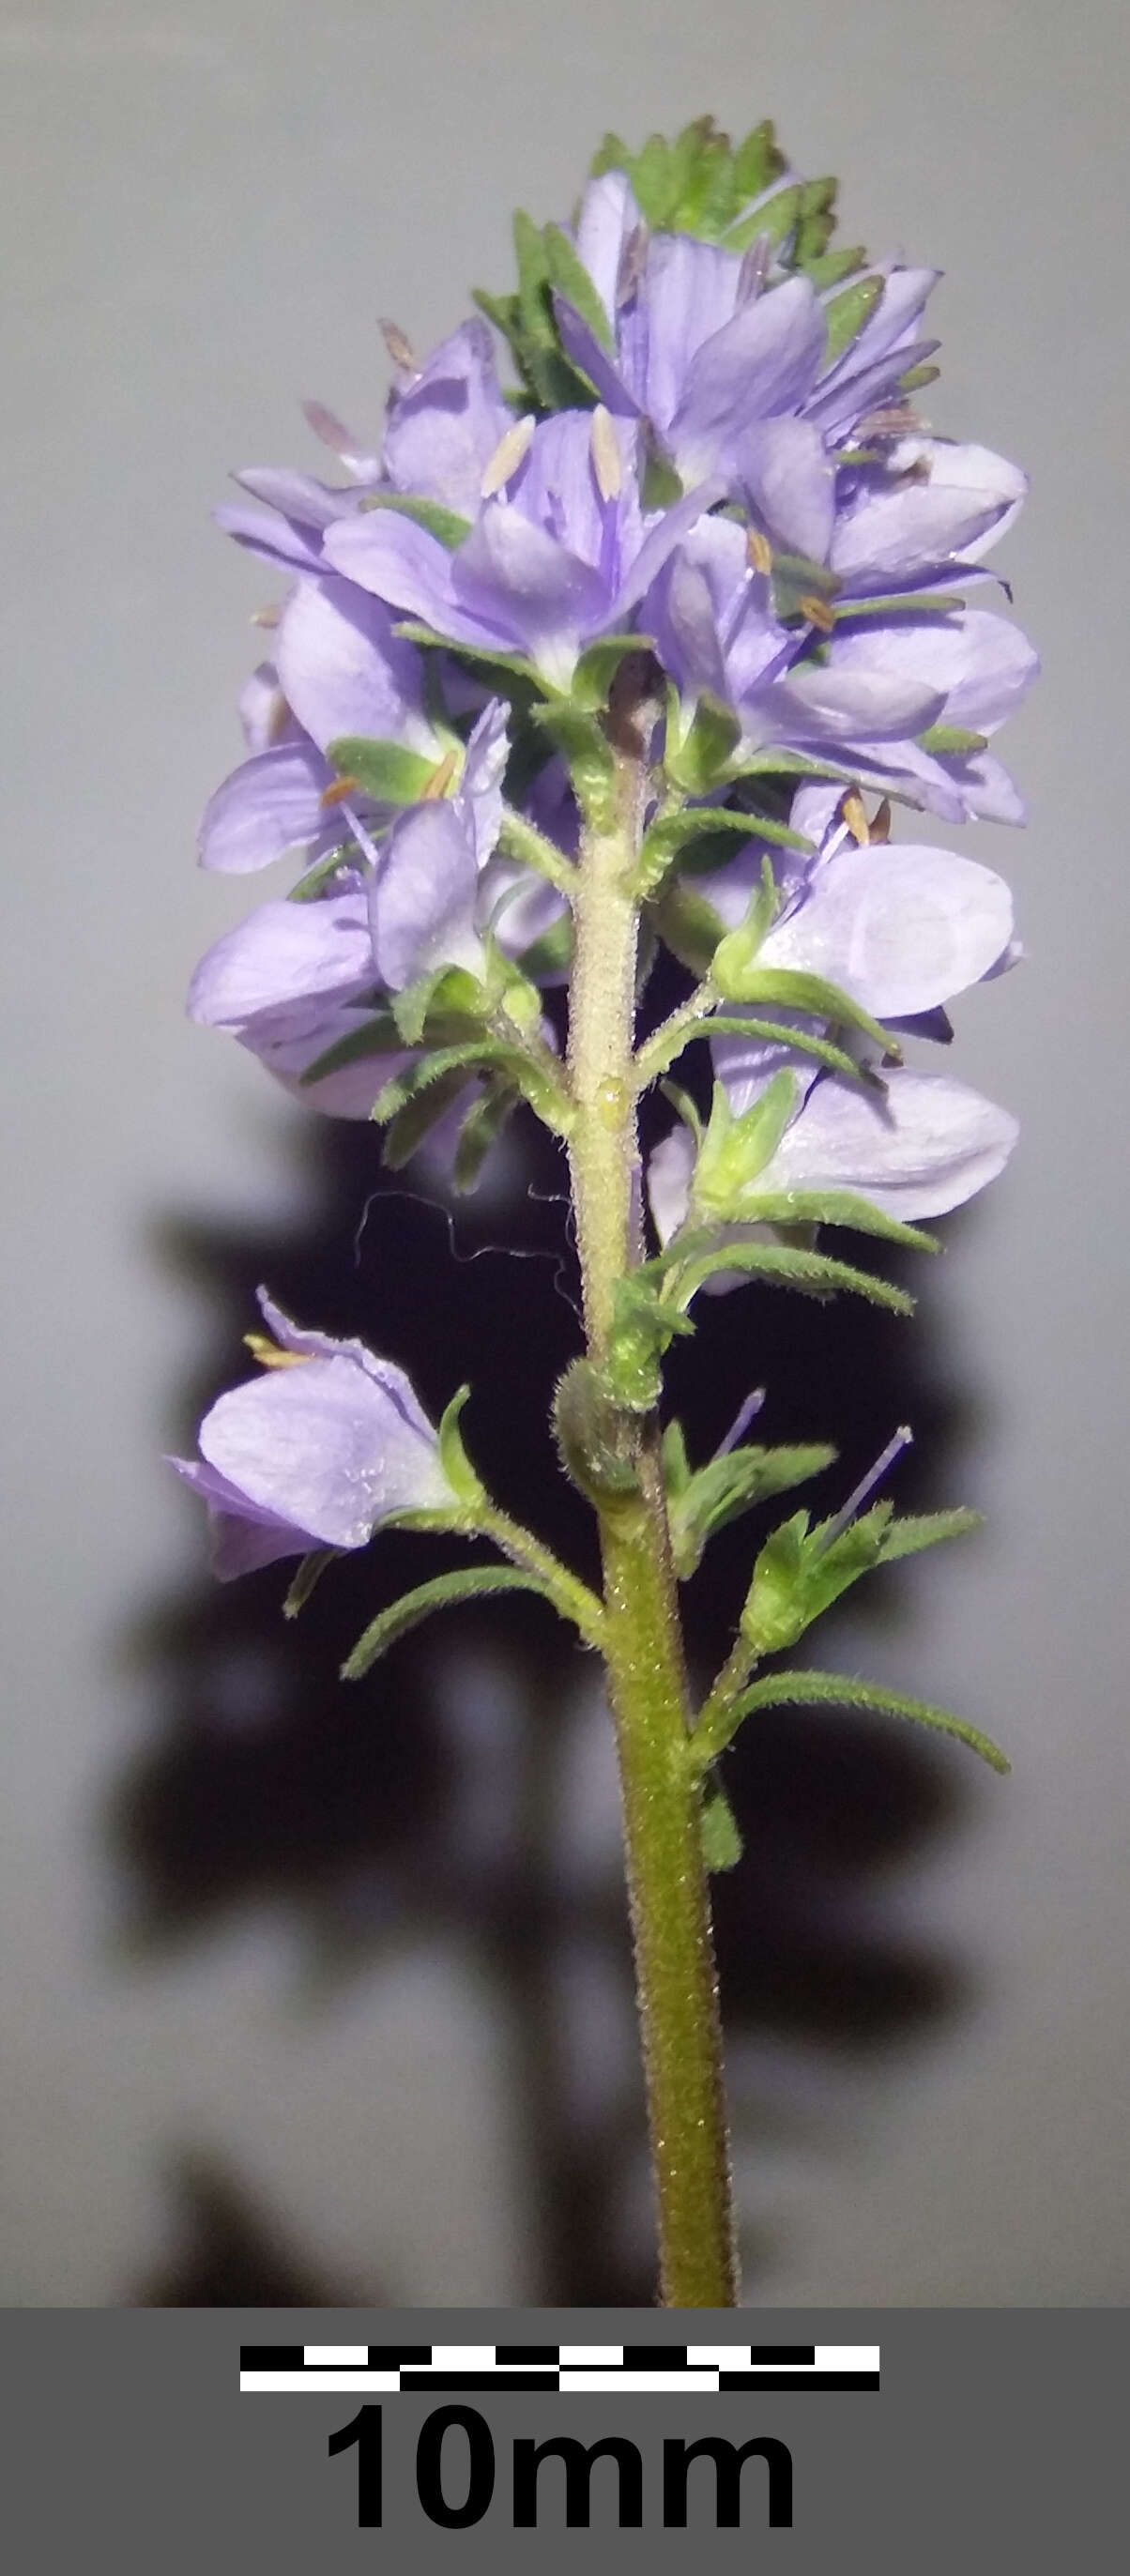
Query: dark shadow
(382, 1811)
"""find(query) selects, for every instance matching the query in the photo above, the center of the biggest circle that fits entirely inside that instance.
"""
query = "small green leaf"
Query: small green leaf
(915, 377)
(726, 1487)
(453, 1457)
(942, 738)
(846, 313)
(840, 1690)
(718, 1827)
(662, 487)
(413, 1124)
(611, 154)
(901, 603)
(378, 1036)
(570, 279)
(757, 162)
(916, 1530)
(784, 1266)
(385, 770)
(674, 834)
(797, 583)
(832, 1207)
(720, 1024)
(773, 220)
(816, 220)
(598, 666)
(735, 1149)
(542, 1089)
(318, 877)
(513, 665)
(481, 1128)
(832, 266)
(642, 1329)
(440, 522)
(309, 1573)
(792, 990)
(586, 753)
(701, 759)
(676, 1464)
(445, 1592)
(444, 992)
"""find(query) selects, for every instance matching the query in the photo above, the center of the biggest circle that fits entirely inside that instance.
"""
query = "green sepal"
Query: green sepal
(588, 758)
(598, 666)
(813, 1274)
(309, 1573)
(771, 1032)
(796, 579)
(446, 1591)
(444, 992)
(542, 1090)
(832, 1207)
(846, 313)
(558, 385)
(481, 1128)
(447, 525)
(735, 1149)
(453, 1459)
(841, 1690)
(773, 221)
(378, 1036)
(710, 1497)
(830, 267)
(942, 738)
(817, 220)
(915, 377)
(906, 603)
(666, 840)
(483, 662)
(568, 278)
(592, 1435)
(798, 1574)
(317, 878)
(661, 486)
(719, 1833)
(413, 1124)
(385, 770)
(758, 161)
(700, 759)
(740, 978)
(688, 924)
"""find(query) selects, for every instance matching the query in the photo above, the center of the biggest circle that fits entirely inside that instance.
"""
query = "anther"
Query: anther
(817, 612)
(337, 792)
(512, 447)
(605, 455)
(441, 777)
(759, 552)
(855, 816)
(399, 347)
(269, 1355)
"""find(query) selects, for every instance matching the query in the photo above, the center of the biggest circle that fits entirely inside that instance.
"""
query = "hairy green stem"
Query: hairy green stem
(667, 1882)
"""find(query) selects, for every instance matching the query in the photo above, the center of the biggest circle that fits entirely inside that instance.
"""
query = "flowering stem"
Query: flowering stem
(642, 1643)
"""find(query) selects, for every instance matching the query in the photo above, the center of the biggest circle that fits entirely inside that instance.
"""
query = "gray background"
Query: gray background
(208, 206)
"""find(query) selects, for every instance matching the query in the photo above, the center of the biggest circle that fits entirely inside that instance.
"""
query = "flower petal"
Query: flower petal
(901, 928)
(271, 804)
(344, 671)
(925, 1144)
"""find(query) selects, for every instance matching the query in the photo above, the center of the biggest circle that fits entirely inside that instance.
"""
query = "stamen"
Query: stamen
(901, 1439)
(325, 423)
(881, 821)
(631, 266)
(891, 420)
(399, 347)
(268, 616)
(512, 447)
(441, 777)
(817, 612)
(855, 816)
(339, 790)
(754, 269)
(605, 455)
(741, 1422)
(759, 552)
(269, 1355)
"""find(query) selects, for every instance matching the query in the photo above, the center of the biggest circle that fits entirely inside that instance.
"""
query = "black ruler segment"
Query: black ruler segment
(398, 2356)
(454, 2382)
(271, 2356)
(796, 2353)
(655, 2356)
(730, 2381)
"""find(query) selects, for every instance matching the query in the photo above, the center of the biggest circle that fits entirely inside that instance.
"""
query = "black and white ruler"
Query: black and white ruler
(606, 2369)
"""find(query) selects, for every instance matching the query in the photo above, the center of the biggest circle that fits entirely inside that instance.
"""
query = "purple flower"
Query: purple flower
(563, 558)
(915, 1147)
(729, 373)
(290, 982)
(446, 421)
(341, 670)
(864, 699)
(319, 1451)
(901, 927)
(425, 905)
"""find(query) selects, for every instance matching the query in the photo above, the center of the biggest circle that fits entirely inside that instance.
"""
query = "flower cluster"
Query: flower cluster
(710, 471)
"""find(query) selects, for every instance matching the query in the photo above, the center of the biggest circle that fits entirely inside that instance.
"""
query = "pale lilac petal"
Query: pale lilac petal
(286, 957)
(924, 1145)
(348, 1093)
(670, 1172)
(299, 498)
(270, 805)
(243, 1539)
(478, 798)
(446, 424)
(323, 1446)
(279, 541)
(405, 566)
(837, 701)
(344, 671)
(607, 219)
(765, 361)
(791, 483)
(983, 665)
(896, 528)
(422, 900)
(686, 297)
(522, 585)
(669, 530)
(901, 928)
